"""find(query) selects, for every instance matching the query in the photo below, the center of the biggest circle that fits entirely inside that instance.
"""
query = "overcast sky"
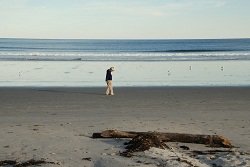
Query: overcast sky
(125, 19)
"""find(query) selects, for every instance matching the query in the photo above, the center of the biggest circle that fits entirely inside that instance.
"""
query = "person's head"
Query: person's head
(112, 68)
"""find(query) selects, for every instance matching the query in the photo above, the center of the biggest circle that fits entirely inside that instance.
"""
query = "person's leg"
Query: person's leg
(111, 88)
(107, 89)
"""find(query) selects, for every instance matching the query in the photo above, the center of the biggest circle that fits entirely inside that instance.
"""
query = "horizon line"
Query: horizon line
(123, 38)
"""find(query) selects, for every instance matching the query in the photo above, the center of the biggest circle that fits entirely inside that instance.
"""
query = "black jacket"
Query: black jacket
(108, 75)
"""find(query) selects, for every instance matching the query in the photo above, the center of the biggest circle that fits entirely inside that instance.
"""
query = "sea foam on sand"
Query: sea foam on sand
(175, 156)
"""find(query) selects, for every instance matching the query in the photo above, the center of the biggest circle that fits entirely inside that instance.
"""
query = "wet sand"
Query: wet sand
(56, 123)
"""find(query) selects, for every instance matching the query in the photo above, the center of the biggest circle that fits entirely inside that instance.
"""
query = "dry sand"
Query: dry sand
(57, 123)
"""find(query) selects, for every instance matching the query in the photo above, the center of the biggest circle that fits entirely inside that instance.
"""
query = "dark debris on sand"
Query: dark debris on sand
(32, 162)
(143, 142)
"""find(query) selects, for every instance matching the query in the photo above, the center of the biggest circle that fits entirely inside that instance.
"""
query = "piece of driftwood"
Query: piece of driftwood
(211, 140)
(207, 152)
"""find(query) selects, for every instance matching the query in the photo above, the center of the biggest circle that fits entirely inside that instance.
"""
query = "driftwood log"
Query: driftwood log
(211, 140)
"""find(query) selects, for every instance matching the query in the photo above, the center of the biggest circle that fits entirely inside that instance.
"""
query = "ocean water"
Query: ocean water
(42, 62)
(124, 50)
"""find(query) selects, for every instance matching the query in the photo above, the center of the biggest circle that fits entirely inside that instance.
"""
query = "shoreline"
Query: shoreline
(57, 123)
(128, 87)
(79, 74)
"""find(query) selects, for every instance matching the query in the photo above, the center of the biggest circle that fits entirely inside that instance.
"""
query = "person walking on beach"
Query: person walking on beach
(109, 90)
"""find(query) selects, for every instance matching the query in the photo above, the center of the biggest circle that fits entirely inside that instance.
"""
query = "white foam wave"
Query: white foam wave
(123, 56)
